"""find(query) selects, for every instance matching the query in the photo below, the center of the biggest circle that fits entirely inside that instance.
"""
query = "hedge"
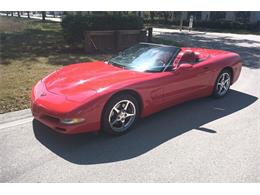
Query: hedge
(74, 26)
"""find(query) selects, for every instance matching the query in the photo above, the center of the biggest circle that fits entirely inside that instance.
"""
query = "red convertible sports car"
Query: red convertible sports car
(144, 79)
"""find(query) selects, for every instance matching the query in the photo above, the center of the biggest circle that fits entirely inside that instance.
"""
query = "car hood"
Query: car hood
(87, 78)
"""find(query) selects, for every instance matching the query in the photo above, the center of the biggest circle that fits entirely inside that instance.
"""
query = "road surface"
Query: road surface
(206, 140)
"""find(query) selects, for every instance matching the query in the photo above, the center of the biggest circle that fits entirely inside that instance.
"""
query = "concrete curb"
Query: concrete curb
(14, 116)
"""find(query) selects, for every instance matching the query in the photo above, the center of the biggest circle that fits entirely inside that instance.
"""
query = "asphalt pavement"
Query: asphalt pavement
(205, 140)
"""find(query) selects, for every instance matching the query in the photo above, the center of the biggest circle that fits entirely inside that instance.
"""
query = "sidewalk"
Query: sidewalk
(160, 31)
(16, 115)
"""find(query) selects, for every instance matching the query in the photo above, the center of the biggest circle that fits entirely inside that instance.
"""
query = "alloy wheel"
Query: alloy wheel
(223, 84)
(122, 115)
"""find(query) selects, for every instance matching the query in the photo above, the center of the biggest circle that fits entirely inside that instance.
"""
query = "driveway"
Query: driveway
(206, 140)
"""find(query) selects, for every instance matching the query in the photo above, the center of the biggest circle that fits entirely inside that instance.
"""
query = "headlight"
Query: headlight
(38, 89)
(71, 121)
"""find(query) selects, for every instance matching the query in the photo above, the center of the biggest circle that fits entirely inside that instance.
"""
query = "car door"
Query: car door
(185, 83)
(203, 78)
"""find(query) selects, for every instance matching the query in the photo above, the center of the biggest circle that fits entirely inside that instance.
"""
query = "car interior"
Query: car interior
(186, 57)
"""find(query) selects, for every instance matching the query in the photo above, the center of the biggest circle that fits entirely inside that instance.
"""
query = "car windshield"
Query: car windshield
(145, 57)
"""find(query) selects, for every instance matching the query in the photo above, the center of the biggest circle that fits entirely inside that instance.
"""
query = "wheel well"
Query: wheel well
(230, 70)
(131, 92)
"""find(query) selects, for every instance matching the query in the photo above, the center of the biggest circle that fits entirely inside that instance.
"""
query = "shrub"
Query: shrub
(74, 26)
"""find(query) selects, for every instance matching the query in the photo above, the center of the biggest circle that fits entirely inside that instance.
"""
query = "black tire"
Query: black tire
(216, 91)
(106, 125)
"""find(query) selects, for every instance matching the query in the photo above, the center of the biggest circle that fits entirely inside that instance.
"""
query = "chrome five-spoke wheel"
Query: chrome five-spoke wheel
(120, 114)
(222, 84)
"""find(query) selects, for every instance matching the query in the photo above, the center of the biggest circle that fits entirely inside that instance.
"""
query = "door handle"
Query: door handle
(205, 67)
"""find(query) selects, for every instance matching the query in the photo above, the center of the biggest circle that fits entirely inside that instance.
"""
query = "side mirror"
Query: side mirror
(185, 66)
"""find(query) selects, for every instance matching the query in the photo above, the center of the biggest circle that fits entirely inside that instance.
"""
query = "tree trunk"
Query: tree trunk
(172, 16)
(152, 16)
(181, 21)
(12, 13)
(28, 15)
(165, 14)
(43, 16)
(19, 15)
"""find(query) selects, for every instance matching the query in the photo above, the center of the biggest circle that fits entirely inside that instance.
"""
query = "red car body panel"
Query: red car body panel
(82, 90)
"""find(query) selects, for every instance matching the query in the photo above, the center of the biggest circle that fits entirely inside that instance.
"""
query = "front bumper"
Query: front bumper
(49, 108)
(51, 120)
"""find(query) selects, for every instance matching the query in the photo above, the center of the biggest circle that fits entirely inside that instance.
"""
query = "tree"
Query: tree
(19, 15)
(43, 16)
(79, 13)
(117, 13)
(28, 15)
(12, 13)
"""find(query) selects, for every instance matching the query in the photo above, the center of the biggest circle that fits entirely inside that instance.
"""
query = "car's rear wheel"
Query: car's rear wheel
(120, 114)
(222, 84)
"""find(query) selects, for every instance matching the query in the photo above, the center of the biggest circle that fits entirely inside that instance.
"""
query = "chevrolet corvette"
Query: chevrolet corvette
(146, 78)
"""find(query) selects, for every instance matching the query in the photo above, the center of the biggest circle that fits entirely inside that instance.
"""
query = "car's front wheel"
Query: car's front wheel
(120, 114)
(222, 84)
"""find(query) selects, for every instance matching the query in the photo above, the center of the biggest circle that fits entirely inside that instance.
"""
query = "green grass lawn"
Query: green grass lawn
(29, 50)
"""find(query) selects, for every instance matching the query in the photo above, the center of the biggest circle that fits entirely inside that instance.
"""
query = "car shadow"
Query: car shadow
(149, 132)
